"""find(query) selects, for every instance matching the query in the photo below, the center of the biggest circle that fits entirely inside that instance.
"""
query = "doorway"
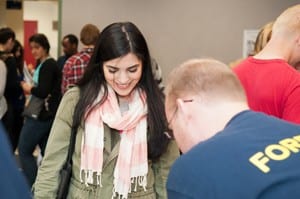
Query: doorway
(30, 28)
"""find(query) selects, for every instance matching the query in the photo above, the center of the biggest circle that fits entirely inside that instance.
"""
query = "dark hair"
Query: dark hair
(42, 40)
(116, 40)
(72, 39)
(20, 59)
(6, 34)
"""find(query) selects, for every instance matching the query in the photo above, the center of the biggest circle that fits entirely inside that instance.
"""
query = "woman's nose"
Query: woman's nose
(122, 77)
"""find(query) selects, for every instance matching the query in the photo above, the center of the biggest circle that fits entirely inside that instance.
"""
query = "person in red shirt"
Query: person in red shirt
(272, 85)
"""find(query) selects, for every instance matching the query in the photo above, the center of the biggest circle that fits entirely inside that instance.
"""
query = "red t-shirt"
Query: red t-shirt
(272, 86)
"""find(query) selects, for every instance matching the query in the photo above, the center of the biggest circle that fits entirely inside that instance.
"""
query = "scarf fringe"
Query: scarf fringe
(135, 181)
(88, 177)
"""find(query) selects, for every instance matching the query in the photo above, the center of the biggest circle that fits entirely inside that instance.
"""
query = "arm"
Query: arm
(3, 74)
(65, 75)
(46, 78)
(57, 146)
(12, 81)
(161, 169)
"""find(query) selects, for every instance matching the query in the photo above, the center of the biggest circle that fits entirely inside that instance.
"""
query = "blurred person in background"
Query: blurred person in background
(13, 184)
(13, 91)
(76, 64)
(17, 97)
(3, 104)
(70, 47)
(47, 80)
(271, 82)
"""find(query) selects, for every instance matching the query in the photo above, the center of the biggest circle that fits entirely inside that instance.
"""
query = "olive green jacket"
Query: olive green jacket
(56, 152)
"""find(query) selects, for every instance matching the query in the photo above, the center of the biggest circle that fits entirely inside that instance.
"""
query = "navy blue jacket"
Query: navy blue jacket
(255, 157)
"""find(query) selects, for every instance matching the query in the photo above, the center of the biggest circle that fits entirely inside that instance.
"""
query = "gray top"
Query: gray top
(3, 72)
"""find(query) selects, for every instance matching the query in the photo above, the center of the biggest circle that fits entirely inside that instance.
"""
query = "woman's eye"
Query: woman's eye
(112, 71)
(132, 70)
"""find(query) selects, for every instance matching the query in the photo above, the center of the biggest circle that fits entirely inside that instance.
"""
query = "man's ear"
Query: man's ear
(298, 40)
(181, 106)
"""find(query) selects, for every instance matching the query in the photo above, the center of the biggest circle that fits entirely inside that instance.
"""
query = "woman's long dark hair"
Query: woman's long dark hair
(116, 40)
(20, 59)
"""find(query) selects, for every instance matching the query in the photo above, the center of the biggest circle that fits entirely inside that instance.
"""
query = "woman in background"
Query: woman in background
(263, 37)
(47, 80)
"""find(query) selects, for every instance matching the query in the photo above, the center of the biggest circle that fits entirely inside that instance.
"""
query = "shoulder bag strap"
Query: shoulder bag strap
(71, 145)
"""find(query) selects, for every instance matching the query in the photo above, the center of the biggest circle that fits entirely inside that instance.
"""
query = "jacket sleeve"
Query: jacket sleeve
(162, 167)
(3, 73)
(46, 79)
(12, 82)
(57, 148)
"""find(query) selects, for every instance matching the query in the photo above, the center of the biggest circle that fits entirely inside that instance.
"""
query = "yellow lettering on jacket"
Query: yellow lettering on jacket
(281, 154)
(291, 144)
(276, 152)
(260, 161)
(297, 138)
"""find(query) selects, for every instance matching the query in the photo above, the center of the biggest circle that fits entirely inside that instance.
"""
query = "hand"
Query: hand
(30, 68)
(26, 87)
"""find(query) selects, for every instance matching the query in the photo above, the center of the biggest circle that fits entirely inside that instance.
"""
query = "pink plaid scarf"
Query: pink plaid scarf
(132, 163)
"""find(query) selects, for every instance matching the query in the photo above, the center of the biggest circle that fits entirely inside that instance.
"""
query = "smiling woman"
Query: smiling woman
(123, 73)
(121, 149)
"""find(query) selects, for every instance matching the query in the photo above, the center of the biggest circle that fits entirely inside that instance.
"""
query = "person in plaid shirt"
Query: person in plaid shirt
(76, 64)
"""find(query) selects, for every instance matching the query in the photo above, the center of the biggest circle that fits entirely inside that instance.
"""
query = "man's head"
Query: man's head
(288, 22)
(89, 34)
(70, 45)
(7, 39)
(286, 34)
(201, 97)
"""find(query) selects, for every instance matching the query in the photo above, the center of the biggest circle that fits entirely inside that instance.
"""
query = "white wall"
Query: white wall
(2, 12)
(177, 30)
(45, 12)
(12, 18)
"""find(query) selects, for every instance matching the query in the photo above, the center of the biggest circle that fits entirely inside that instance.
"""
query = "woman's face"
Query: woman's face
(123, 73)
(38, 52)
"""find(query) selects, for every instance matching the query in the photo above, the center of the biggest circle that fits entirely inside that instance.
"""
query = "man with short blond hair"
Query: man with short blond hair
(228, 150)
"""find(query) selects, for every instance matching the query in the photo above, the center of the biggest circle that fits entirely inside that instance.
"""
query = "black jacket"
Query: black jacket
(49, 88)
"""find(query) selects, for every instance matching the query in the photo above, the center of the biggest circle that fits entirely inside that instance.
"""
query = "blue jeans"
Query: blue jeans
(34, 132)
